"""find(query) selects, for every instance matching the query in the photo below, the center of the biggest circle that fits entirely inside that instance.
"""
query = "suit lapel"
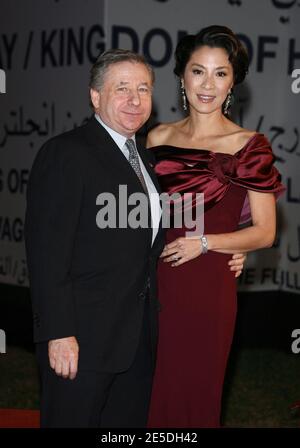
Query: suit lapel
(149, 166)
(109, 152)
(159, 239)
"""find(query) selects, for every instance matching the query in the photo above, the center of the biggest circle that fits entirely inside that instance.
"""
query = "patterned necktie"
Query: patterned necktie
(135, 163)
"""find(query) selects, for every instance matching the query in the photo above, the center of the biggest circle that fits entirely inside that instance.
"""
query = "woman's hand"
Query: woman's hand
(181, 250)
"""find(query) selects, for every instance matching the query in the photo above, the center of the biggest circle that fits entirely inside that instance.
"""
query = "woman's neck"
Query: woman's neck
(199, 125)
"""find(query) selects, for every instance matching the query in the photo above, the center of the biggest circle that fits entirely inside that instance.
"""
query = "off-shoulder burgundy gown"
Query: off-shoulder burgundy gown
(198, 298)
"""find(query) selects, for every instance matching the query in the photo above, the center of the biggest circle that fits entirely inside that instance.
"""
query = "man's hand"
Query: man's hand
(63, 356)
(237, 263)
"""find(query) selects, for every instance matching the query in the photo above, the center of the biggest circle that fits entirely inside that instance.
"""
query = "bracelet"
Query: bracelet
(204, 244)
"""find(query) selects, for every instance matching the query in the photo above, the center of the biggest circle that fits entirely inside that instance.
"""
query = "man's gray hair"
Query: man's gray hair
(109, 57)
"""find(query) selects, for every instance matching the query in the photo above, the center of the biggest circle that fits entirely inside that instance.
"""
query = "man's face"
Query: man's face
(125, 99)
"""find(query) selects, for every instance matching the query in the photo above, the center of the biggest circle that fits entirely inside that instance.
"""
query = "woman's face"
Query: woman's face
(208, 78)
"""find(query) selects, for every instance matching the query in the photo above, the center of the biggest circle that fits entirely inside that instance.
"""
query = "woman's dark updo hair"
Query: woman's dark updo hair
(214, 36)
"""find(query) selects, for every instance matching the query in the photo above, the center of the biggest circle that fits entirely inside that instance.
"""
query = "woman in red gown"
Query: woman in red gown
(206, 153)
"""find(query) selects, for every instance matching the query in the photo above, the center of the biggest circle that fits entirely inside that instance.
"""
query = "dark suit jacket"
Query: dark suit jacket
(85, 281)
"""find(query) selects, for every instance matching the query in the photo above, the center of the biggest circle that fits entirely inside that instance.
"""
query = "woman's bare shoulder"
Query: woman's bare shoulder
(160, 135)
(234, 137)
(242, 135)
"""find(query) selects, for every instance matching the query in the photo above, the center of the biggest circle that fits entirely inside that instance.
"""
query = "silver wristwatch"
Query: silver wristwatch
(204, 243)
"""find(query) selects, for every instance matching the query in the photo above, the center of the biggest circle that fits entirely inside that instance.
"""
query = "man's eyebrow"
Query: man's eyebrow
(144, 83)
(222, 67)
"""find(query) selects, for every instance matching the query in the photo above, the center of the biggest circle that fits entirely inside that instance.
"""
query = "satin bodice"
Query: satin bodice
(188, 170)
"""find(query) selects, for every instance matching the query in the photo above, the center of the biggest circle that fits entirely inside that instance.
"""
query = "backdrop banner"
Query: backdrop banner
(46, 50)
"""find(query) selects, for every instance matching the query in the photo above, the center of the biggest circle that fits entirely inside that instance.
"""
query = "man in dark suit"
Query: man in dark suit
(93, 286)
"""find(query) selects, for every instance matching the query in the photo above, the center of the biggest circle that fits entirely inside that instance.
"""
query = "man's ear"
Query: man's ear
(95, 98)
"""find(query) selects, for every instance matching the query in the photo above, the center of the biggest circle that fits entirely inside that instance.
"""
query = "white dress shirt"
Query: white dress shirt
(120, 141)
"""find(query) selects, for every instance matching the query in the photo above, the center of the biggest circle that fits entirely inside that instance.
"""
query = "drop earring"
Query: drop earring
(228, 103)
(183, 96)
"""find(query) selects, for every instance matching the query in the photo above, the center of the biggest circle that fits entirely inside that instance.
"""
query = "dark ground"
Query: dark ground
(263, 377)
